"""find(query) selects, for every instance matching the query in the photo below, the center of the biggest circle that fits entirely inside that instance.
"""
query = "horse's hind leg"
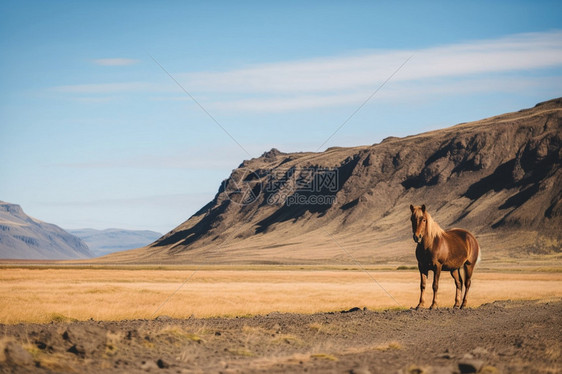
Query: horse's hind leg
(468, 269)
(458, 283)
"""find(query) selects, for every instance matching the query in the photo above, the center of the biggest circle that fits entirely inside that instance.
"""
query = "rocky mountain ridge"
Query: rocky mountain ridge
(499, 177)
(24, 237)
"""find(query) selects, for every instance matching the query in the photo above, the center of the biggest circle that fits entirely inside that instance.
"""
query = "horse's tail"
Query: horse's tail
(479, 258)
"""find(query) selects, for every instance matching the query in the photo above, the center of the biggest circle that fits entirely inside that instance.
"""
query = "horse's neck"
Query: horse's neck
(433, 231)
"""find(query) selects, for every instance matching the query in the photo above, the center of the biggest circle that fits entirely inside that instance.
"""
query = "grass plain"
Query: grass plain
(43, 294)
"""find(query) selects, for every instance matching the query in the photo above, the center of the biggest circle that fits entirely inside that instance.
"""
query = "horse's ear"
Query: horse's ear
(423, 208)
(412, 208)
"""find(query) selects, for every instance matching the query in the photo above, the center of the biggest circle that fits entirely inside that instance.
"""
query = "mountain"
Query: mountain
(103, 242)
(24, 237)
(499, 177)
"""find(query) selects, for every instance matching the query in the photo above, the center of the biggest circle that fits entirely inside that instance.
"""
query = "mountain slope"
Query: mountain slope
(499, 177)
(24, 237)
(103, 242)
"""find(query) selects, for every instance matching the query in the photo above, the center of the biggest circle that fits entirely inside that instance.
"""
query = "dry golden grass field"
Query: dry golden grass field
(43, 294)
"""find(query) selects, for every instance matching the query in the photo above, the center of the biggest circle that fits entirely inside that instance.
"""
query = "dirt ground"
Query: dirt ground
(499, 337)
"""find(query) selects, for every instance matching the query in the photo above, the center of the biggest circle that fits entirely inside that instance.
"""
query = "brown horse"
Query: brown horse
(439, 250)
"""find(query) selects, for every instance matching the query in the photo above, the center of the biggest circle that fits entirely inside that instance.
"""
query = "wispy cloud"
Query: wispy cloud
(517, 52)
(106, 88)
(495, 65)
(498, 65)
(115, 61)
(399, 91)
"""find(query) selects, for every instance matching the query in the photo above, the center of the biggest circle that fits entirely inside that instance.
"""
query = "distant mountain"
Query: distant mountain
(24, 237)
(499, 177)
(103, 242)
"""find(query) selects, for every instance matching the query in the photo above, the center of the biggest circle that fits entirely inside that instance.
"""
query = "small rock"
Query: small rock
(78, 350)
(470, 366)
(162, 364)
(360, 370)
(355, 309)
(16, 355)
(479, 351)
(149, 365)
(217, 333)
(446, 356)
(41, 344)
(132, 334)
(46, 340)
(163, 318)
(413, 369)
(85, 340)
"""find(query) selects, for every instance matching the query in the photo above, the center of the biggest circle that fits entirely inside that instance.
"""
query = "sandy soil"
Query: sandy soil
(500, 337)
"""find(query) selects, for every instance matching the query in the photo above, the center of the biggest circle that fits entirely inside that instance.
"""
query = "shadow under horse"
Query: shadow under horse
(437, 250)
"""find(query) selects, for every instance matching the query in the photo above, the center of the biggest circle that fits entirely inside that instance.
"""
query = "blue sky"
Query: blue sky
(94, 133)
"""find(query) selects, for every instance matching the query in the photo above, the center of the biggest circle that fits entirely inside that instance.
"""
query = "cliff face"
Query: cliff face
(23, 237)
(499, 177)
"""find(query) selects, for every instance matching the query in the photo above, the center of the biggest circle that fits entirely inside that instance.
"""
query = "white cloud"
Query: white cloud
(397, 91)
(287, 103)
(115, 61)
(517, 52)
(498, 65)
(494, 65)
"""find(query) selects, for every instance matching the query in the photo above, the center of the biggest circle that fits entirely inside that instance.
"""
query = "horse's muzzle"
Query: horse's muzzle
(417, 238)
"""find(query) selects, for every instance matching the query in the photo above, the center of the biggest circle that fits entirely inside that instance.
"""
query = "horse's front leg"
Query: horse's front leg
(436, 274)
(423, 281)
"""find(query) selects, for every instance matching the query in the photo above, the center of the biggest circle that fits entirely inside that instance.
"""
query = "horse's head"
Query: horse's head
(419, 222)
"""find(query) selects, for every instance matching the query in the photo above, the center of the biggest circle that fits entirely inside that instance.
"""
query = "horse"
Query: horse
(437, 250)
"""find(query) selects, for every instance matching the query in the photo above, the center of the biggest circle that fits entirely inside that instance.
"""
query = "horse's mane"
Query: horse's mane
(433, 228)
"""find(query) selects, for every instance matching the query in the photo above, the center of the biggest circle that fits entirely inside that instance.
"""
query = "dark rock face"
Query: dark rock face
(23, 237)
